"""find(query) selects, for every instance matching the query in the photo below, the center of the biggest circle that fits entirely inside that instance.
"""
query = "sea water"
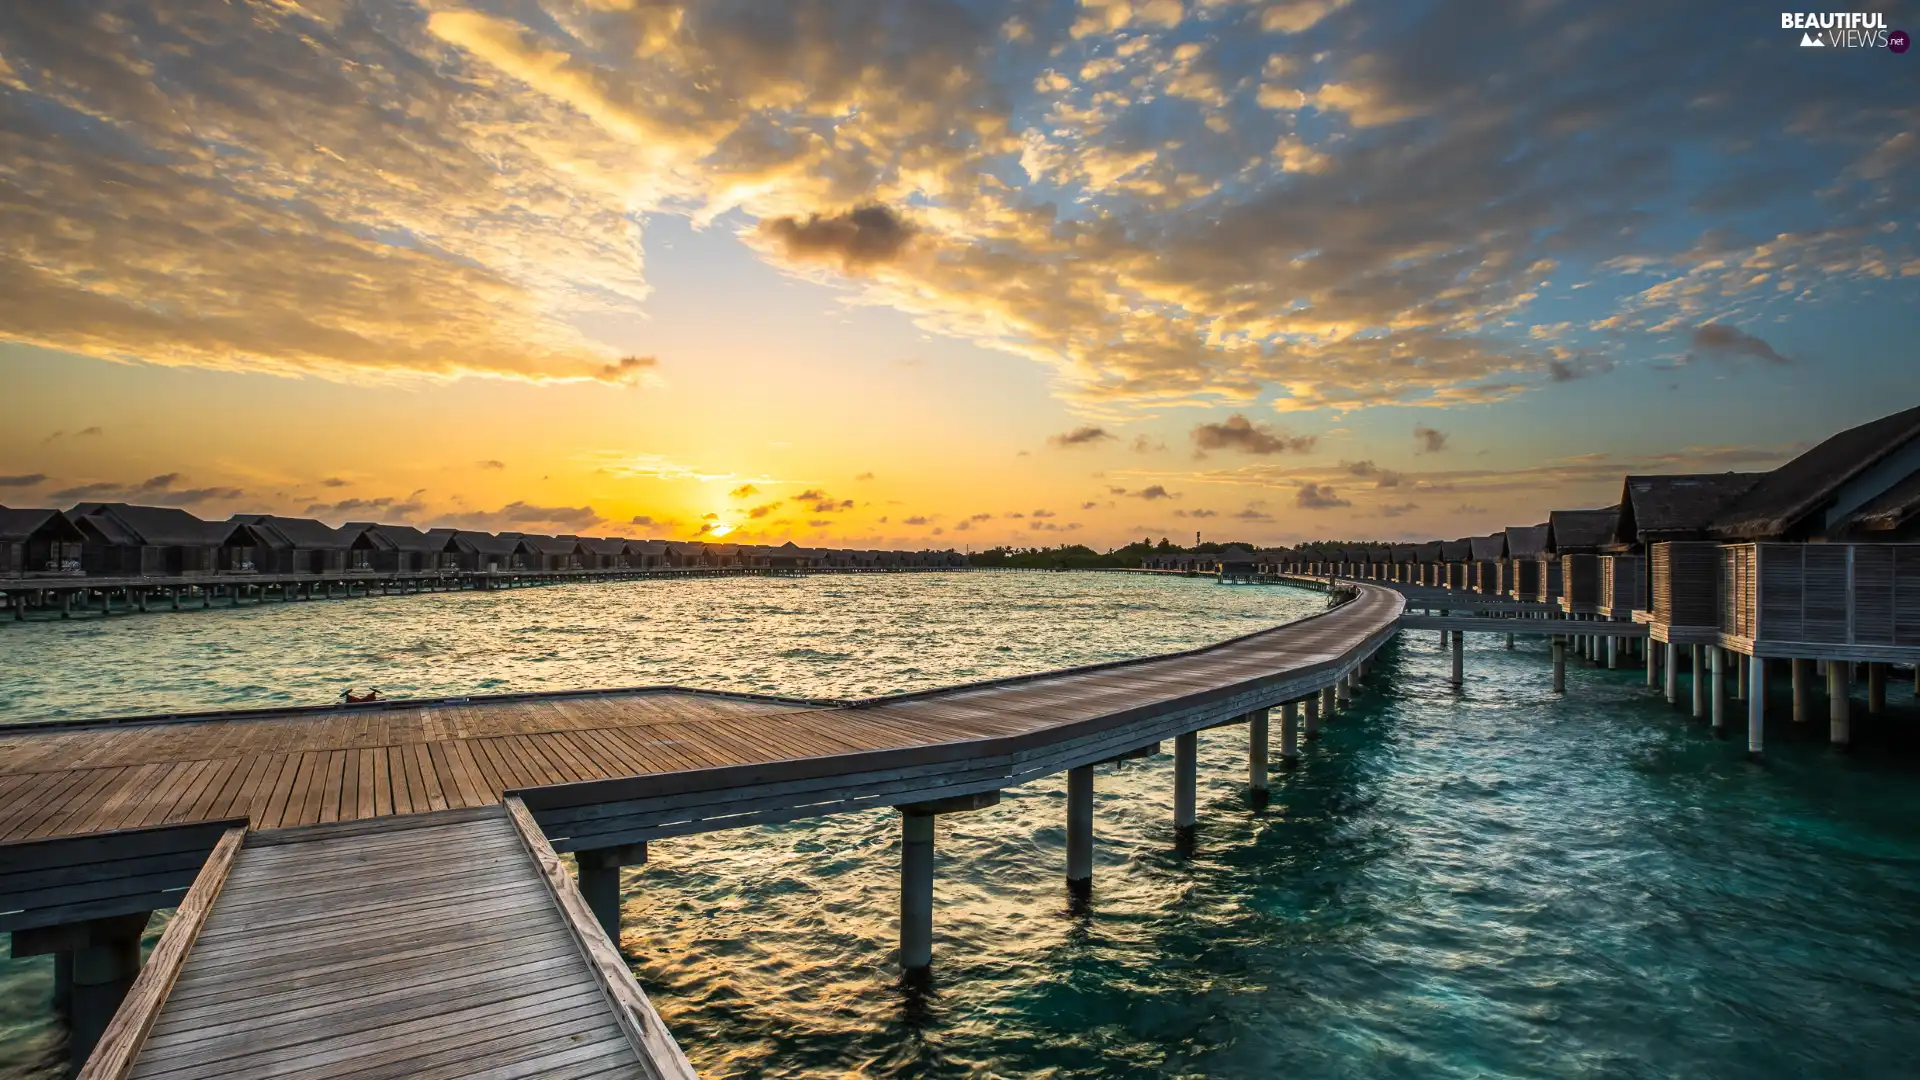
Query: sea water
(1492, 881)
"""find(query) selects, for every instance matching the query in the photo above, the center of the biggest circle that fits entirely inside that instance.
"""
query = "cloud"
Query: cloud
(1430, 440)
(1044, 514)
(493, 464)
(1080, 436)
(857, 239)
(628, 370)
(981, 517)
(763, 510)
(1253, 513)
(1239, 433)
(1469, 508)
(23, 480)
(864, 476)
(1312, 496)
(333, 482)
(1726, 342)
(818, 524)
(641, 519)
(518, 514)
(916, 520)
(1154, 492)
(1241, 209)
(159, 490)
(1367, 470)
(1195, 513)
(1088, 505)
(743, 491)
(1014, 516)
(1144, 445)
(1397, 509)
(88, 431)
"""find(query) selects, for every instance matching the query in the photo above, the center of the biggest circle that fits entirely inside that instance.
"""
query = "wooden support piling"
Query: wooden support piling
(1257, 755)
(1080, 836)
(1559, 664)
(1186, 759)
(1290, 731)
(1839, 703)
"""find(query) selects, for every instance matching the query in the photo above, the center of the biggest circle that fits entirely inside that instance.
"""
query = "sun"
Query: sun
(720, 530)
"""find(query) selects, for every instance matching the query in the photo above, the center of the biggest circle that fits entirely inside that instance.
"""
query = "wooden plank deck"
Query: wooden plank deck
(430, 947)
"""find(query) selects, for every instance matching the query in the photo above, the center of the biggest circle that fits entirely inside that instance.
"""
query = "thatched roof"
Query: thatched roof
(1430, 552)
(1784, 500)
(159, 526)
(399, 537)
(1456, 550)
(1656, 508)
(1576, 531)
(485, 543)
(604, 545)
(296, 534)
(1406, 553)
(1489, 548)
(542, 544)
(1526, 541)
(19, 526)
(1888, 512)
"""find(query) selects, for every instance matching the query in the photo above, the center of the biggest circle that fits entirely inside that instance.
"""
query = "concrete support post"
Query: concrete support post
(1839, 720)
(1290, 732)
(1876, 688)
(1613, 654)
(1186, 763)
(1313, 715)
(1756, 707)
(1459, 658)
(1699, 680)
(1509, 642)
(1080, 836)
(1802, 691)
(1344, 690)
(1719, 680)
(1327, 703)
(1559, 664)
(1257, 755)
(1672, 673)
(66, 605)
(916, 893)
(1653, 667)
(600, 882)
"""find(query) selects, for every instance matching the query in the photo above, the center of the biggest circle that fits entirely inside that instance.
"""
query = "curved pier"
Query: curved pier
(102, 822)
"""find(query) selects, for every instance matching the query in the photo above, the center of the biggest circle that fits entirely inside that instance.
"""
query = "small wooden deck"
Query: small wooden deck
(432, 950)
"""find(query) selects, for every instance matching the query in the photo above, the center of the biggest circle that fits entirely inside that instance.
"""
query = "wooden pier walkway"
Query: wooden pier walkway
(368, 825)
(431, 949)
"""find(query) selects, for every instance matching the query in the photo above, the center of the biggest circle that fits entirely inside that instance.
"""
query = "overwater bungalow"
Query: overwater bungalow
(1526, 544)
(396, 549)
(602, 553)
(1489, 560)
(160, 541)
(289, 545)
(1793, 581)
(1575, 538)
(1680, 509)
(39, 543)
(482, 552)
(1455, 557)
(1429, 557)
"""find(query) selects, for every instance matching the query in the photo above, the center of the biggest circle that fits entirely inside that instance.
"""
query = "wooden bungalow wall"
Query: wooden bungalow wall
(1834, 594)
(1686, 583)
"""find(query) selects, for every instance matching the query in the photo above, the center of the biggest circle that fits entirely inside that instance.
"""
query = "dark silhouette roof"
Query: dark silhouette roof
(604, 545)
(160, 526)
(19, 526)
(1456, 550)
(399, 537)
(1578, 531)
(1784, 499)
(484, 543)
(1429, 552)
(301, 534)
(1680, 507)
(1489, 548)
(1526, 541)
(1888, 511)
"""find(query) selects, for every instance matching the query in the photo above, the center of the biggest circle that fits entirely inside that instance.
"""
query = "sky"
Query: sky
(941, 274)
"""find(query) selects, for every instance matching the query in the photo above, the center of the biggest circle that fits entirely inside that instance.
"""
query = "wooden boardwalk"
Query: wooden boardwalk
(395, 904)
(426, 948)
(285, 768)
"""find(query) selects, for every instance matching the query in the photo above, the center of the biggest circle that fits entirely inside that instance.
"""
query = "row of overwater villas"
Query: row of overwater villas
(1816, 559)
(116, 540)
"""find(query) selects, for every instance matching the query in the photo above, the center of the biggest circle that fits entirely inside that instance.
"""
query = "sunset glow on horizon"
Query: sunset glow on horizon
(939, 274)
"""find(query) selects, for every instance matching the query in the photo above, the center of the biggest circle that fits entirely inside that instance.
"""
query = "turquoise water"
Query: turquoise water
(1491, 882)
